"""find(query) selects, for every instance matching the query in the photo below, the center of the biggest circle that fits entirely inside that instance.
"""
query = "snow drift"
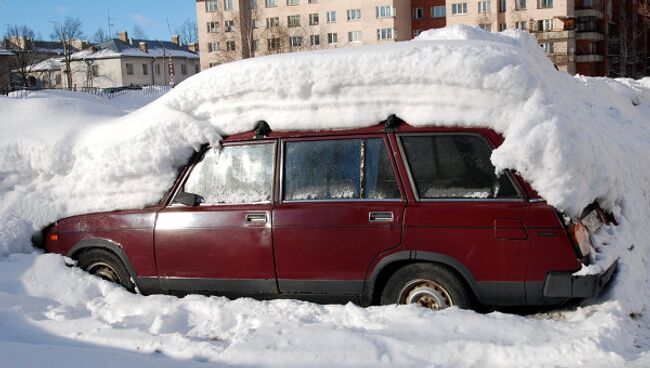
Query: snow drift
(575, 140)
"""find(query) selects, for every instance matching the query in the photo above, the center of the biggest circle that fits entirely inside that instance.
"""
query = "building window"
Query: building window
(548, 47)
(184, 69)
(313, 19)
(211, 5)
(502, 6)
(418, 13)
(213, 46)
(158, 69)
(293, 20)
(312, 2)
(196, 69)
(385, 11)
(354, 14)
(416, 32)
(502, 27)
(293, 2)
(459, 9)
(331, 16)
(385, 34)
(520, 4)
(145, 70)
(213, 27)
(272, 22)
(522, 25)
(438, 11)
(545, 25)
(295, 41)
(484, 6)
(129, 69)
(544, 4)
(227, 5)
(256, 45)
(485, 26)
(586, 24)
(271, 3)
(354, 37)
(314, 40)
(587, 3)
(253, 4)
(229, 26)
(332, 38)
(230, 46)
(273, 43)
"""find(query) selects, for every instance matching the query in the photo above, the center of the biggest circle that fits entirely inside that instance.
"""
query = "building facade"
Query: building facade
(5, 75)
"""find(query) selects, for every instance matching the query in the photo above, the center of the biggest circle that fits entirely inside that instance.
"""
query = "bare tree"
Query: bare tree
(19, 40)
(188, 32)
(138, 32)
(100, 36)
(67, 32)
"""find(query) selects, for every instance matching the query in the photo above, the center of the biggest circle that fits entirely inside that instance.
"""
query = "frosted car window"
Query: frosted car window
(320, 170)
(454, 166)
(234, 175)
(379, 181)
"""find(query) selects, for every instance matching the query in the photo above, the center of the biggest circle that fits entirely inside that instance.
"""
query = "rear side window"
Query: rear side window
(454, 166)
(234, 175)
(339, 169)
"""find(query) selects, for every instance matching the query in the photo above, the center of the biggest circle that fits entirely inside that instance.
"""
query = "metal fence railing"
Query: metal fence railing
(109, 93)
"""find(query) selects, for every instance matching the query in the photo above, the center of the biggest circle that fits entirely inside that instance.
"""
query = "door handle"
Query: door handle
(256, 218)
(381, 217)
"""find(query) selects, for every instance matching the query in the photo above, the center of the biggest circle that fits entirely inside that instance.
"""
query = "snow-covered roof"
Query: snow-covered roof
(115, 48)
(5, 52)
(46, 65)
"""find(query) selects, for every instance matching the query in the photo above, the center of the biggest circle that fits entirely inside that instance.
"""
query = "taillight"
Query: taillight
(580, 237)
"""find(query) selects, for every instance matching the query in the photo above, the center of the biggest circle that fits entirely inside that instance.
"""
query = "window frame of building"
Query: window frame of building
(521, 25)
(295, 41)
(520, 5)
(213, 47)
(385, 11)
(293, 21)
(330, 16)
(503, 6)
(545, 25)
(332, 38)
(231, 46)
(544, 4)
(227, 5)
(385, 34)
(502, 27)
(293, 2)
(312, 1)
(272, 22)
(158, 69)
(129, 68)
(458, 9)
(229, 26)
(314, 19)
(354, 15)
(548, 47)
(484, 6)
(485, 26)
(438, 11)
(145, 69)
(271, 3)
(213, 27)
(273, 43)
(314, 40)
(94, 70)
(211, 6)
(355, 37)
(418, 13)
(184, 69)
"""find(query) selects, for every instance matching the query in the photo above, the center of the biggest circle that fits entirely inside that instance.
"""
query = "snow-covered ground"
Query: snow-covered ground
(575, 140)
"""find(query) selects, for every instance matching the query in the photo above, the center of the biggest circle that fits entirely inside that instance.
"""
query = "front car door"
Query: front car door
(225, 244)
(340, 208)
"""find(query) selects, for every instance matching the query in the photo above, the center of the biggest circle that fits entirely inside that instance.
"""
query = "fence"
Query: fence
(100, 92)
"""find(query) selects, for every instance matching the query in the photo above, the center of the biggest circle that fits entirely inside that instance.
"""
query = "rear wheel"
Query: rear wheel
(107, 265)
(426, 284)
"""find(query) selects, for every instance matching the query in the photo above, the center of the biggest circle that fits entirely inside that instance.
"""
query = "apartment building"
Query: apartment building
(235, 29)
(428, 14)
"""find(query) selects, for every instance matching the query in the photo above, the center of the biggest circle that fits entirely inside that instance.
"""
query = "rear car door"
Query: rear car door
(464, 211)
(340, 207)
(225, 244)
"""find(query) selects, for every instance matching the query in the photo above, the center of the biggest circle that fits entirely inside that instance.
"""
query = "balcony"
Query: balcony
(561, 59)
(589, 13)
(590, 36)
(553, 35)
(590, 58)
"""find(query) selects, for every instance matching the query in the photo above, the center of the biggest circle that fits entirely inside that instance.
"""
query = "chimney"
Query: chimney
(176, 39)
(144, 48)
(194, 47)
(124, 36)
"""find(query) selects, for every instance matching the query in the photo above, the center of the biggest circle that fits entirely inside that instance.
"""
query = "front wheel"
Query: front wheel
(428, 285)
(106, 265)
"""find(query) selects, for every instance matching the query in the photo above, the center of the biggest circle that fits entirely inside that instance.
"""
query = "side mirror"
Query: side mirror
(188, 199)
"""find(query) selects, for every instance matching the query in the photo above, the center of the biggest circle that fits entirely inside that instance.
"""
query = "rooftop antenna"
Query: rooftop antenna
(169, 27)
(110, 24)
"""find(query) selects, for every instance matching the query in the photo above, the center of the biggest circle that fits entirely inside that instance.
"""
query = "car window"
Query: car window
(454, 166)
(234, 175)
(338, 169)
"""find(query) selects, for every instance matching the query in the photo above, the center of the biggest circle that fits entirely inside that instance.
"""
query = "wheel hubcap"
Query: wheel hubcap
(104, 271)
(425, 293)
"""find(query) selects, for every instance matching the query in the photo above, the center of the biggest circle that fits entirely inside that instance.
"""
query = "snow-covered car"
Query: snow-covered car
(380, 215)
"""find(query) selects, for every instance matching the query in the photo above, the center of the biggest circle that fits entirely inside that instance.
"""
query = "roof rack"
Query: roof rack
(392, 123)
(262, 129)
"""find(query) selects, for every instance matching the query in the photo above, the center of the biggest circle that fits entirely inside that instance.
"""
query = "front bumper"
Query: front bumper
(566, 285)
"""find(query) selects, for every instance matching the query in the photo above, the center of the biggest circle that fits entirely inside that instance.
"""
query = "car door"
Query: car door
(464, 214)
(340, 207)
(225, 244)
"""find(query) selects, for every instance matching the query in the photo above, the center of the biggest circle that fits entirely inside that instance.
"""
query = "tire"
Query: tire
(106, 265)
(428, 284)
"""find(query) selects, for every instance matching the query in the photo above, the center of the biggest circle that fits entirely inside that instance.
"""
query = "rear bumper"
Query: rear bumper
(566, 285)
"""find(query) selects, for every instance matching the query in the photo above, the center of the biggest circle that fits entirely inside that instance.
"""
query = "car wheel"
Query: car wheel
(429, 285)
(107, 265)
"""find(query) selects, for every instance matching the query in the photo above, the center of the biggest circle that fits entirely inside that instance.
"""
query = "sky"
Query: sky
(150, 15)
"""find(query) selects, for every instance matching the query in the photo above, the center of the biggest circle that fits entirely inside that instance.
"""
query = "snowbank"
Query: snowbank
(575, 140)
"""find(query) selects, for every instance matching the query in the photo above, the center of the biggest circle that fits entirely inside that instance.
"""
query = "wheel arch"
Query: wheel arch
(391, 263)
(106, 244)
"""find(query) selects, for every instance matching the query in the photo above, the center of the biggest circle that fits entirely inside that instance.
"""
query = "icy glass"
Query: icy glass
(317, 170)
(379, 180)
(234, 175)
(454, 166)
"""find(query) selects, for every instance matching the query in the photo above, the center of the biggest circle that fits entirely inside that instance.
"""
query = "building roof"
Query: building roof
(115, 48)
(46, 65)
(5, 52)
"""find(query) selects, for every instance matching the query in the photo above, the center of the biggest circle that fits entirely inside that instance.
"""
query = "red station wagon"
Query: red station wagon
(381, 215)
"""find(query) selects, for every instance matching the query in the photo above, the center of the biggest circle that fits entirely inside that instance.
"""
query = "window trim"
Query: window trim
(200, 156)
(416, 193)
(282, 156)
